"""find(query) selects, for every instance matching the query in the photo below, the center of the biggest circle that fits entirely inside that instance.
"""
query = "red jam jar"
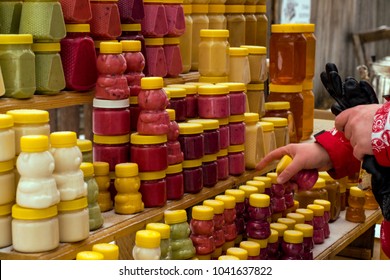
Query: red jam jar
(76, 11)
(191, 140)
(177, 102)
(292, 245)
(210, 170)
(78, 58)
(175, 155)
(224, 133)
(110, 117)
(237, 129)
(259, 213)
(210, 134)
(318, 223)
(229, 214)
(239, 195)
(173, 56)
(154, 24)
(223, 164)
(131, 11)
(219, 222)
(134, 113)
(175, 181)
(213, 102)
(156, 61)
(175, 17)
(308, 243)
(236, 160)
(149, 152)
(193, 175)
(190, 99)
(135, 64)
(153, 188)
(111, 149)
(202, 230)
(237, 97)
(105, 22)
(278, 201)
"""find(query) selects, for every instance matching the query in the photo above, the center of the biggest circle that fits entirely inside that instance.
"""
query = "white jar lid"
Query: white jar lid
(112, 104)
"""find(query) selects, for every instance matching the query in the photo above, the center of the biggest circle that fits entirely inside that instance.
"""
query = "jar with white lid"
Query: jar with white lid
(239, 70)
(7, 182)
(5, 225)
(217, 18)
(280, 129)
(29, 122)
(186, 39)
(7, 138)
(147, 245)
(236, 23)
(269, 137)
(257, 57)
(35, 230)
(200, 21)
(73, 220)
(254, 140)
(256, 98)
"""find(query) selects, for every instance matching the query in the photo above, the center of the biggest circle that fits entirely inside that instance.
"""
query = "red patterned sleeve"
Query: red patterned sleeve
(380, 137)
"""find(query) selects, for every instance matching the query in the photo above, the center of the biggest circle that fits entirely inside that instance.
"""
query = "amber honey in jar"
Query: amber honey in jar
(308, 109)
(317, 192)
(355, 211)
(333, 189)
(308, 32)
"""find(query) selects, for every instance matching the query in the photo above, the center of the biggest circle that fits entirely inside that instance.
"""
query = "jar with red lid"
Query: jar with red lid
(193, 175)
(177, 102)
(131, 11)
(111, 149)
(191, 99)
(110, 117)
(219, 222)
(149, 152)
(236, 159)
(191, 140)
(224, 133)
(213, 102)
(223, 164)
(237, 129)
(153, 188)
(259, 213)
(175, 17)
(156, 61)
(105, 22)
(175, 181)
(210, 134)
(135, 64)
(173, 56)
(326, 205)
(308, 243)
(134, 113)
(237, 97)
(154, 23)
(292, 245)
(175, 155)
(76, 11)
(229, 214)
(78, 56)
(278, 202)
(287, 56)
(202, 230)
(239, 195)
(318, 223)
(209, 170)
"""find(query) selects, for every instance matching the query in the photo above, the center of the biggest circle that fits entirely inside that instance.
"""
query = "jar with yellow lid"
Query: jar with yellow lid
(156, 61)
(177, 102)
(278, 200)
(239, 195)
(269, 136)
(110, 251)
(165, 243)
(175, 181)
(299, 218)
(223, 164)
(173, 56)
(252, 248)
(289, 222)
(280, 129)
(307, 197)
(213, 102)
(210, 135)
(131, 11)
(273, 245)
(261, 25)
(147, 245)
(258, 184)
(248, 190)
(213, 80)
(235, 23)
(111, 149)
(280, 228)
(240, 253)
(217, 18)
(239, 70)
(355, 211)
(10, 20)
(175, 17)
(186, 39)
(237, 97)
(7, 182)
(282, 109)
(35, 230)
(7, 138)
(135, 64)
(259, 213)
(256, 98)
(250, 24)
(308, 109)
(153, 188)
(254, 140)
(257, 57)
(318, 223)
(308, 243)
(214, 47)
(85, 146)
(333, 188)
(191, 140)
(200, 21)
(230, 215)
(219, 221)
(236, 159)
(292, 245)
(209, 170)
(267, 183)
(102, 177)
(89, 256)
(237, 129)
(5, 225)
(17, 62)
(326, 204)
(191, 99)
(105, 22)
(192, 175)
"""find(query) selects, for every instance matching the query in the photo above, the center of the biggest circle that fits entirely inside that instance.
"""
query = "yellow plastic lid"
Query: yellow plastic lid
(6, 209)
(155, 175)
(238, 51)
(110, 48)
(250, 9)
(6, 121)
(146, 238)
(236, 118)
(255, 50)
(299, 218)
(258, 184)
(187, 9)
(262, 242)
(305, 212)
(34, 143)
(253, 87)
(234, 86)
(71, 205)
(101, 168)
(228, 258)
(251, 117)
(163, 229)
(273, 176)
(202, 212)
(176, 92)
(280, 228)
(320, 183)
(261, 9)
(154, 41)
(29, 116)
(197, 84)
(110, 251)
(209, 158)
(16, 39)
(89, 256)
(283, 163)
(234, 9)
(152, 83)
(277, 105)
(63, 139)
(274, 236)
(153, 1)
(222, 153)
(223, 121)
(265, 179)
(240, 253)
(190, 89)
(98, 42)
(84, 145)
(46, 47)
(133, 100)
(78, 28)
(200, 9)
(190, 163)
(251, 247)
(213, 80)
(318, 210)
(217, 205)
(285, 88)
(7, 165)
(131, 27)
(171, 40)
(87, 168)
(306, 229)
(290, 28)
(190, 128)
(307, 85)
(228, 200)
(278, 122)
(248, 190)
(111, 140)
(355, 191)
(238, 194)
(173, 1)
(323, 202)
(267, 126)
(325, 175)
(175, 216)
(21, 213)
(131, 45)
(259, 200)
(216, 9)
(174, 168)
(141, 139)
(308, 27)
(125, 169)
(208, 124)
(293, 236)
(236, 148)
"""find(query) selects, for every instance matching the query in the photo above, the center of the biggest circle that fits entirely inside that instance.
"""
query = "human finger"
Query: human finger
(271, 156)
(341, 120)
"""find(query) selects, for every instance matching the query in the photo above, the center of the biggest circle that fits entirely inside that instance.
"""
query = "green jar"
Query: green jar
(10, 16)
